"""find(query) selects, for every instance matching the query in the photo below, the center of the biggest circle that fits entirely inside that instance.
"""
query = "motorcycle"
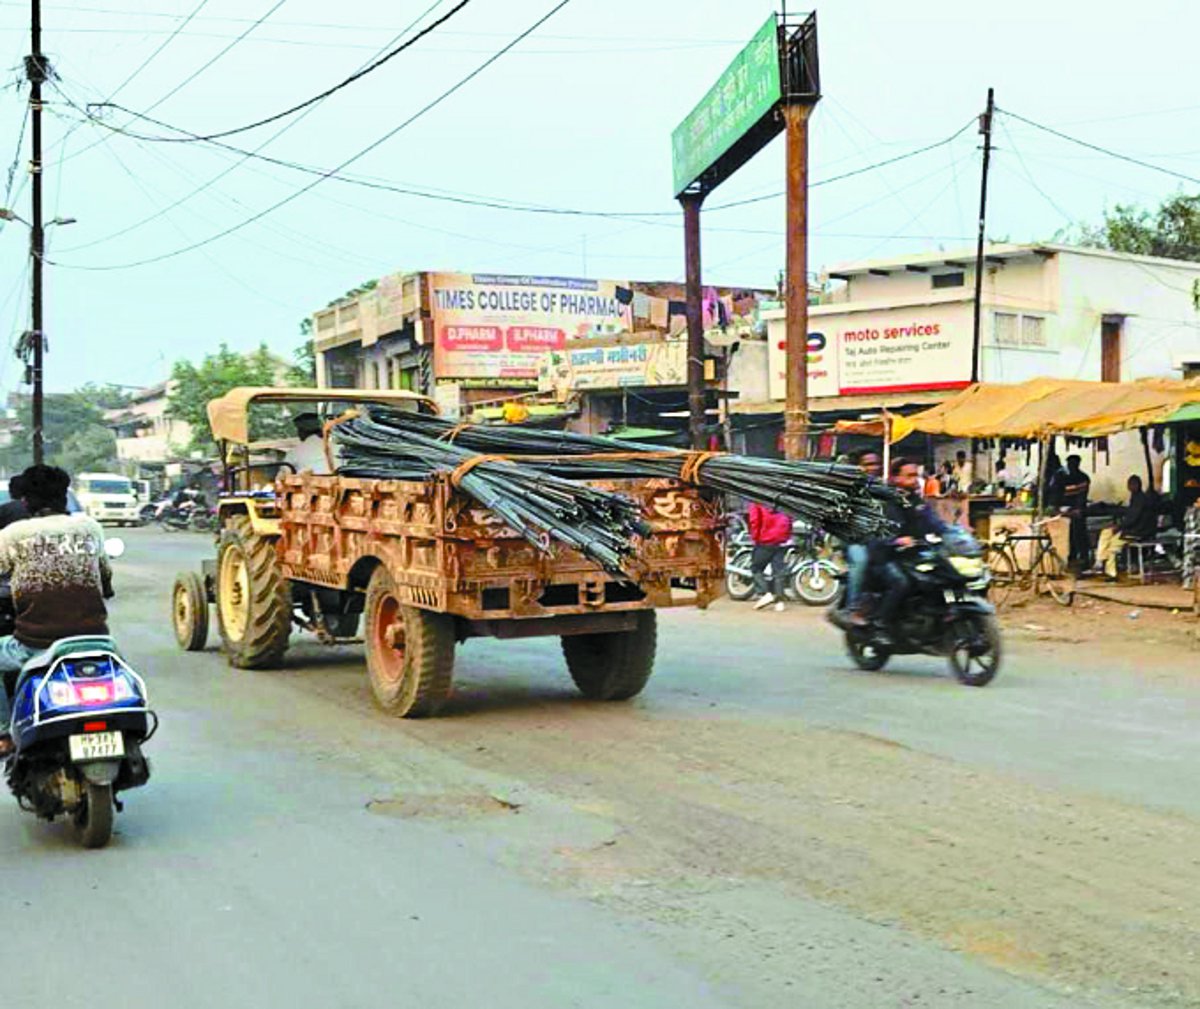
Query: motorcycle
(79, 721)
(945, 612)
(193, 515)
(810, 575)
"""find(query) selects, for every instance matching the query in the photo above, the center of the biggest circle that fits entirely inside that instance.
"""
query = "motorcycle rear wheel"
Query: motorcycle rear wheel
(739, 587)
(94, 818)
(965, 637)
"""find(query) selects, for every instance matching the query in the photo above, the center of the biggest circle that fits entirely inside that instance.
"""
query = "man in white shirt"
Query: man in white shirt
(310, 453)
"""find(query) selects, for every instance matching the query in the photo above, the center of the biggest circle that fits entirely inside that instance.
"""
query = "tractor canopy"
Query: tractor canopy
(229, 415)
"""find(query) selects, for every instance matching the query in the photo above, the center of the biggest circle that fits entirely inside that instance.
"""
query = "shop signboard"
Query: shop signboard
(489, 326)
(621, 366)
(920, 349)
(744, 94)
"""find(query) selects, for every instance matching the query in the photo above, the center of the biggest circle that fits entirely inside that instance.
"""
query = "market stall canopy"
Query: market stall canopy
(1047, 406)
(228, 414)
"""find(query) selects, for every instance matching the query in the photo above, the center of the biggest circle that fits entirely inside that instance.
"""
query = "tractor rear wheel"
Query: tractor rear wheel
(254, 600)
(613, 666)
(410, 651)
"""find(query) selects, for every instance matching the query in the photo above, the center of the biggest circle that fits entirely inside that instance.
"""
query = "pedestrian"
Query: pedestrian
(946, 479)
(871, 464)
(1138, 524)
(932, 485)
(769, 531)
(1075, 485)
(964, 472)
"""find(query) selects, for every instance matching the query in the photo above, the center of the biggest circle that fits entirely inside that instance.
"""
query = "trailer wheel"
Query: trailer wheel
(189, 611)
(410, 651)
(613, 667)
(254, 600)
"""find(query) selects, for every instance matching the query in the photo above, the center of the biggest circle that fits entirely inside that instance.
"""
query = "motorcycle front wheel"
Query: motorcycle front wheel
(94, 819)
(816, 583)
(973, 649)
(867, 655)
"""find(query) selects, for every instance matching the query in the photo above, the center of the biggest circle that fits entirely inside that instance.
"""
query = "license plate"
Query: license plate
(96, 746)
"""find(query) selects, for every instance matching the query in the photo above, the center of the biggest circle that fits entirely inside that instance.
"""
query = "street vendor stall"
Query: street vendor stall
(1038, 411)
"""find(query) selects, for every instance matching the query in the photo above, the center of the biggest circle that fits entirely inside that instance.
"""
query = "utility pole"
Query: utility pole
(695, 318)
(985, 127)
(37, 71)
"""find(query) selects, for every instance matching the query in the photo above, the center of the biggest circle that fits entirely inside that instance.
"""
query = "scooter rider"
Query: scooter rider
(60, 578)
(911, 519)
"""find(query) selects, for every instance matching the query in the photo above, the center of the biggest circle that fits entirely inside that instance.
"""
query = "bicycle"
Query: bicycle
(1047, 572)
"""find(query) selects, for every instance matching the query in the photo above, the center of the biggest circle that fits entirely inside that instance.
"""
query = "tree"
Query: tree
(1171, 231)
(303, 371)
(92, 448)
(67, 416)
(195, 385)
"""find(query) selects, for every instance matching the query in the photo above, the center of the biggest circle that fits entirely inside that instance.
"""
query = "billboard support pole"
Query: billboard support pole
(795, 431)
(695, 318)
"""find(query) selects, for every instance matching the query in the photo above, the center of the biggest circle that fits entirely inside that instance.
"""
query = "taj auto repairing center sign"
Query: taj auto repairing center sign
(920, 349)
(488, 326)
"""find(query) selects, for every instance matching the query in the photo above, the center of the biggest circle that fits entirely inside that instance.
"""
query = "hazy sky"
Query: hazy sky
(579, 115)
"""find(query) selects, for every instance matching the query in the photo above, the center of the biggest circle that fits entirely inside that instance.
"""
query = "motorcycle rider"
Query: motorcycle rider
(60, 578)
(911, 519)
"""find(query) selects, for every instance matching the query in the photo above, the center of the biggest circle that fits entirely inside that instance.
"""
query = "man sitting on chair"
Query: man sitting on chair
(1138, 523)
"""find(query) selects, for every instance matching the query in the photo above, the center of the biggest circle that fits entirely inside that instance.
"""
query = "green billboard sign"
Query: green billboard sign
(747, 91)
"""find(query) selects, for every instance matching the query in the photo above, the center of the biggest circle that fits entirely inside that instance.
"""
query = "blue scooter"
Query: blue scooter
(80, 719)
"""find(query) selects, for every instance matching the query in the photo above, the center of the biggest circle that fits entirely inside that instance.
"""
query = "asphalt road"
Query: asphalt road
(762, 827)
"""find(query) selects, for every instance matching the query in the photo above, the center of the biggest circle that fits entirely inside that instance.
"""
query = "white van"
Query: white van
(107, 497)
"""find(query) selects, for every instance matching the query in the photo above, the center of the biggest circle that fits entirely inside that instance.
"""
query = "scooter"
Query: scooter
(80, 719)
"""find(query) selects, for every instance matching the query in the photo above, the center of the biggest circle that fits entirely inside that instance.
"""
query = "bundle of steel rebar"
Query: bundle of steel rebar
(842, 500)
(533, 502)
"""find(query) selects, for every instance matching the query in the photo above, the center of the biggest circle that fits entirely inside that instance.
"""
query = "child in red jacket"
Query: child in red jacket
(770, 531)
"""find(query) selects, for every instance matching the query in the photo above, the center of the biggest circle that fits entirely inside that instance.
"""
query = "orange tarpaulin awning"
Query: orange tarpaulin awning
(1042, 407)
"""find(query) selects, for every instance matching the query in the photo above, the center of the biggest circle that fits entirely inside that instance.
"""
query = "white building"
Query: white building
(899, 331)
(145, 434)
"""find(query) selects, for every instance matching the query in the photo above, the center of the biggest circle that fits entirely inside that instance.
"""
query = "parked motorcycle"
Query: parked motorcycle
(946, 612)
(811, 576)
(79, 721)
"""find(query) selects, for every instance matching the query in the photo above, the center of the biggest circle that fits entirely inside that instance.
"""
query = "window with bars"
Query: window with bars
(1011, 329)
(1005, 329)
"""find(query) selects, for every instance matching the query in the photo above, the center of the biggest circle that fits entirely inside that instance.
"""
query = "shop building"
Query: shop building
(147, 436)
(475, 340)
(898, 333)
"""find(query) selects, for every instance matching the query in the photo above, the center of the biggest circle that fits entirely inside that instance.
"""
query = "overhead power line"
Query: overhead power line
(356, 76)
(166, 42)
(63, 157)
(244, 155)
(204, 66)
(857, 171)
(429, 106)
(1101, 150)
(496, 203)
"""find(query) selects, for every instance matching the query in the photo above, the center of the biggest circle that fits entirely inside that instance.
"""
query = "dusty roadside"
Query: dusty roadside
(702, 815)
